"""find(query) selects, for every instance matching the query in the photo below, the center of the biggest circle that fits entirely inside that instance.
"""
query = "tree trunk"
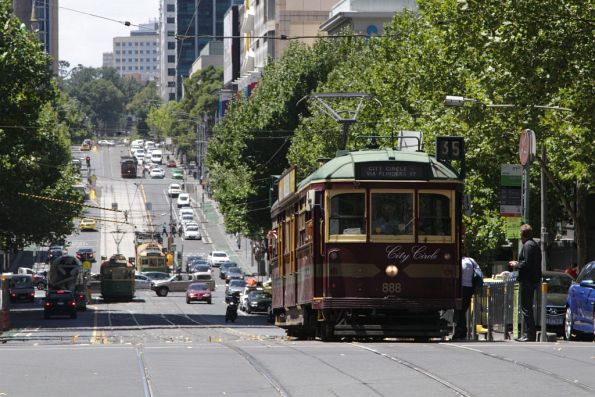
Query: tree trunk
(580, 225)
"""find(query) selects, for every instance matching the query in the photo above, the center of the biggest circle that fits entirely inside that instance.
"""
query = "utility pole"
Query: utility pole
(544, 237)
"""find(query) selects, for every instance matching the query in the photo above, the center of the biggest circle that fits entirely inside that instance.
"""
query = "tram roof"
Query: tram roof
(343, 167)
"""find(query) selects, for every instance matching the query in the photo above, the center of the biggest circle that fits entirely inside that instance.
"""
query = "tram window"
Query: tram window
(348, 214)
(434, 214)
(392, 213)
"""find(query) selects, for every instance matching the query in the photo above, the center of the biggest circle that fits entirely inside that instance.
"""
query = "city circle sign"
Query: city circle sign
(527, 147)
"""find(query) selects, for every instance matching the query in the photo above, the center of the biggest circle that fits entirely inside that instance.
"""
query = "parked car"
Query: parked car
(61, 302)
(234, 273)
(223, 268)
(87, 224)
(216, 258)
(258, 301)
(183, 200)
(558, 285)
(86, 254)
(142, 282)
(192, 232)
(174, 190)
(580, 305)
(198, 292)
(157, 173)
(20, 288)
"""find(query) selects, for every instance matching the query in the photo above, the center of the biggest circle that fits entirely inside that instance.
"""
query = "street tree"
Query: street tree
(141, 105)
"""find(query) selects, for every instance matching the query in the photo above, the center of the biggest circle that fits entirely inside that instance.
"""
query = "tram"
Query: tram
(117, 279)
(368, 245)
(149, 253)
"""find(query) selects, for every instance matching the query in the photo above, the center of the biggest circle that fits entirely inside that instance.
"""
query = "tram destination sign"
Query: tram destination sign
(391, 170)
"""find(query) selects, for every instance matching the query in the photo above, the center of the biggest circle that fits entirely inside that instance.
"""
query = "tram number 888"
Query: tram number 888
(391, 288)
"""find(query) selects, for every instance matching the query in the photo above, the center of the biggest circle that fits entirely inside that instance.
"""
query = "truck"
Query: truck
(128, 166)
(67, 273)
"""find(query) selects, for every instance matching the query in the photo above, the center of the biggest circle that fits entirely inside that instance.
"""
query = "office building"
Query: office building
(137, 55)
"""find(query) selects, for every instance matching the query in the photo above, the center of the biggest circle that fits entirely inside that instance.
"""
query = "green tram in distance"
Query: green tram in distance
(117, 279)
(367, 246)
(150, 256)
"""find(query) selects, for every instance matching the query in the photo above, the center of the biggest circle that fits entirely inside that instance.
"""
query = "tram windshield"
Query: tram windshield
(392, 213)
(348, 213)
(434, 214)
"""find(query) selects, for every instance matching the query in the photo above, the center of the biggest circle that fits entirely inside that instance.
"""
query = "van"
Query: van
(157, 157)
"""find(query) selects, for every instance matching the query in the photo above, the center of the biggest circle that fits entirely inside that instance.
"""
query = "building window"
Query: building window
(171, 58)
(171, 33)
(171, 71)
(171, 8)
(171, 45)
(135, 44)
(142, 68)
(142, 44)
(117, 51)
(172, 96)
(171, 20)
(129, 67)
(171, 83)
(117, 44)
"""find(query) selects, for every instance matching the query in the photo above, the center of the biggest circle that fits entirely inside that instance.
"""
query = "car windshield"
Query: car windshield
(192, 228)
(219, 254)
(202, 268)
(174, 187)
(237, 284)
(198, 287)
(558, 284)
(259, 295)
(234, 270)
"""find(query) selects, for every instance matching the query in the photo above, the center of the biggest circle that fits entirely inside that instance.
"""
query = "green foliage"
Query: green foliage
(34, 150)
(141, 105)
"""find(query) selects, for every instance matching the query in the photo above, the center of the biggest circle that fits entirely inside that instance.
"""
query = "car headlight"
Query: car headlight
(254, 304)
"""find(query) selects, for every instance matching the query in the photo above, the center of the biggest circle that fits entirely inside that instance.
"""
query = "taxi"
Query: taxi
(86, 145)
(88, 224)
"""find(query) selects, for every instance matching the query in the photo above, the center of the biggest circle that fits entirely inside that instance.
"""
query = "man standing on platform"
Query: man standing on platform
(529, 267)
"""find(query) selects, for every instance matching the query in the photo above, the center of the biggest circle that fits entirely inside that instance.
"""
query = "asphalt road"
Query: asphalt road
(161, 346)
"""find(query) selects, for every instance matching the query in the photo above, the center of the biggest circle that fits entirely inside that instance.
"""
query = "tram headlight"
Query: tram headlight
(391, 270)
(334, 255)
(447, 256)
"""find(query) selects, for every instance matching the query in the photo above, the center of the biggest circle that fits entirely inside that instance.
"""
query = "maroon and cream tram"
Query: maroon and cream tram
(369, 245)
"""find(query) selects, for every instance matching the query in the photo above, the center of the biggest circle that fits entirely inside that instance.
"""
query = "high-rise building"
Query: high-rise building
(108, 60)
(41, 16)
(262, 22)
(167, 50)
(137, 55)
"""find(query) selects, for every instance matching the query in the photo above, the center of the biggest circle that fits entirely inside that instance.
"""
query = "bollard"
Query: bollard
(544, 288)
(505, 311)
(489, 304)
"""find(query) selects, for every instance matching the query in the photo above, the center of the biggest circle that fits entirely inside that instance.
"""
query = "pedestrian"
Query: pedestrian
(164, 231)
(529, 267)
(469, 268)
(180, 230)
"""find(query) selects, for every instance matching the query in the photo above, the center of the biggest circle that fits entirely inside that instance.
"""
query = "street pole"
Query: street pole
(542, 244)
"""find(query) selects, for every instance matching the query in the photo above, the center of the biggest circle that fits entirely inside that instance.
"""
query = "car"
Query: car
(198, 292)
(223, 268)
(157, 173)
(233, 287)
(40, 280)
(86, 254)
(174, 190)
(76, 165)
(104, 142)
(258, 301)
(199, 269)
(580, 303)
(192, 232)
(183, 200)
(80, 299)
(175, 283)
(20, 288)
(216, 258)
(558, 285)
(88, 224)
(171, 163)
(157, 156)
(85, 146)
(177, 173)
(142, 281)
(185, 210)
(60, 302)
(234, 273)
(192, 265)
(157, 276)
(187, 218)
(56, 251)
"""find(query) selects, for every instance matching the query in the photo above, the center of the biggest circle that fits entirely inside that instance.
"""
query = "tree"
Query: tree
(34, 151)
(141, 105)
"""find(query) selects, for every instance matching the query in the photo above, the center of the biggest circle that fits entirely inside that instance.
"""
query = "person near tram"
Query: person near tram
(529, 267)
(469, 268)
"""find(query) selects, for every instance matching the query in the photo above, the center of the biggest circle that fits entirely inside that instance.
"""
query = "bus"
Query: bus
(367, 246)
(117, 279)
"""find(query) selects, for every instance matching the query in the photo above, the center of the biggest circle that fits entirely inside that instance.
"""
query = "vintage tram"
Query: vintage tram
(117, 279)
(369, 245)
(150, 256)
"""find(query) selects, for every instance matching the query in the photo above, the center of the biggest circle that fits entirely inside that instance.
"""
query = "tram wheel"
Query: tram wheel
(325, 332)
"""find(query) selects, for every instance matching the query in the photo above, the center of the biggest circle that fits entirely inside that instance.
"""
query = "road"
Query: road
(161, 346)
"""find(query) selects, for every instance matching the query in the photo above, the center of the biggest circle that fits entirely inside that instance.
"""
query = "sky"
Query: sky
(83, 38)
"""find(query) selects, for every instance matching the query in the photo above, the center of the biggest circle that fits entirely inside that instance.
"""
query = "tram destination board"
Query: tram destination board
(392, 171)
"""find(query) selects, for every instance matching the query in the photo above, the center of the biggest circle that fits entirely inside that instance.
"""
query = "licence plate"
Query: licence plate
(60, 303)
(555, 321)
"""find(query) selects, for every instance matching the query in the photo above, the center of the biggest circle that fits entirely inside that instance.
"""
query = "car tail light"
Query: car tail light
(47, 304)
(82, 296)
(32, 294)
(72, 303)
(60, 291)
(13, 295)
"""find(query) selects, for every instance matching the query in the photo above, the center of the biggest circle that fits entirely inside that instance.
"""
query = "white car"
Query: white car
(184, 211)
(216, 258)
(103, 142)
(158, 172)
(174, 190)
(183, 200)
(142, 282)
(187, 218)
(192, 232)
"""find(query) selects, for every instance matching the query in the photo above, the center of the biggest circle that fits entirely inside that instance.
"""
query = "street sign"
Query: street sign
(87, 264)
(527, 147)
(510, 190)
(450, 148)
(511, 226)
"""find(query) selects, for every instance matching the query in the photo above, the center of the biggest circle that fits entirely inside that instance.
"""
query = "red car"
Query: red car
(171, 163)
(198, 292)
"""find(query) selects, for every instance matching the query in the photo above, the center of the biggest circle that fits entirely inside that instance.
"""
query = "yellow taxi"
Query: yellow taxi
(87, 224)
(86, 145)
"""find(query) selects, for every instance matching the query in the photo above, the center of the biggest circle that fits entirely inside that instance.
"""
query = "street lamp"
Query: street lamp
(458, 101)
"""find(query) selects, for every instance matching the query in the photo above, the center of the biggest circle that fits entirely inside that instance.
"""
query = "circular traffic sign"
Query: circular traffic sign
(527, 147)
(86, 264)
